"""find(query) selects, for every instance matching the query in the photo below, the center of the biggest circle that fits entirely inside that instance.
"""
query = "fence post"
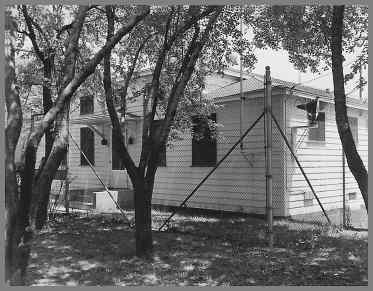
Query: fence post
(66, 194)
(344, 189)
(268, 153)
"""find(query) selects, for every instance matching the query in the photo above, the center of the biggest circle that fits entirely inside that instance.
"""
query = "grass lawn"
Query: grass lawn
(197, 250)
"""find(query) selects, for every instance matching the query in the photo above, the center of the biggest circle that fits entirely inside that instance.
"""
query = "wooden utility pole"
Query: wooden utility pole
(361, 84)
(268, 153)
(344, 188)
(67, 182)
(241, 85)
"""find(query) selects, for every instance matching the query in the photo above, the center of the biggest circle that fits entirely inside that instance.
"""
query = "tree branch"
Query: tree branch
(184, 75)
(153, 95)
(32, 35)
(70, 25)
(26, 194)
(12, 133)
(117, 132)
(130, 74)
(64, 28)
(38, 27)
(188, 24)
(67, 91)
(23, 32)
(354, 161)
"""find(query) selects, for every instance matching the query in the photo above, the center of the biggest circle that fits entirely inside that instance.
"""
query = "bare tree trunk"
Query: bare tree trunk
(47, 58)
(143, 218)
(23, 233)
(354, 161)
(47, 102)
(150, 151)
(44, 182)
(12, 132)
(142, 181)
(117, 131)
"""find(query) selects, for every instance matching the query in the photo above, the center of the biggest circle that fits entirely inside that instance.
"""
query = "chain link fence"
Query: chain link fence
(237, 185)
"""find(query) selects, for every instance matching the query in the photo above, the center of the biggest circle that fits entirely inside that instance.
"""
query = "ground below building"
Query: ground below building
(196, 250)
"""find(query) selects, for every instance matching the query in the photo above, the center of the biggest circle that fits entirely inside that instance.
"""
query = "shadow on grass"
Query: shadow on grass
(198, 250)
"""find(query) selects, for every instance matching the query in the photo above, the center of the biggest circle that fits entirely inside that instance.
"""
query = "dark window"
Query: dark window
(87, 145)
(353, 121)
(64, 160)
(86, 105)
(60, 174)
(319, 132)
(204, 150)
(117, 163)
(352, 196)
(162, 153)
(308, 199)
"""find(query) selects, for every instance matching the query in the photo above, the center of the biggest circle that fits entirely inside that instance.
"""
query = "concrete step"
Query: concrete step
(81, 205)
(86, 198)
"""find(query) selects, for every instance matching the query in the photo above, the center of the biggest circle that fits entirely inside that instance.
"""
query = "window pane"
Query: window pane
(64, 160)
(319, 132)
(204, 147)
(86, 105)
(87, 145)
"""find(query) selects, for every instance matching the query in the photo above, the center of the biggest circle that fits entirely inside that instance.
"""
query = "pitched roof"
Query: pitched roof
(255, 82)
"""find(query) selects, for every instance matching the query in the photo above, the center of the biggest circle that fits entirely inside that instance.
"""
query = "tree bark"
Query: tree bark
(43, 184)
(185, 72)
(12, 133)
(47, 59)
(142, 197)
(354, 161)
(143, 176)
(23, 232)
(117, 131)
(143, 218)
(47, 101)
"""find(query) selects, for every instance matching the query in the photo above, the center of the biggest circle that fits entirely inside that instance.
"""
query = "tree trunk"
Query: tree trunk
(354, 161)
(47, 102)
(42, 187)
(22, 232)
(44, 182)
(12, 132)
(143, 219)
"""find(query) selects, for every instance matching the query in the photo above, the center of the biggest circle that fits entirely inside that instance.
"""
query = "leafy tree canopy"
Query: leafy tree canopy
(305, 32)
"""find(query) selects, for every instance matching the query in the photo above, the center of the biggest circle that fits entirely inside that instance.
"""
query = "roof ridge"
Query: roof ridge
(257, 77)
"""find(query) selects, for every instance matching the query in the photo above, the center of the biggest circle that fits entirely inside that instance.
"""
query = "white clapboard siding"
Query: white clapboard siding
(322, 161)
(239, 183)
(82, 176)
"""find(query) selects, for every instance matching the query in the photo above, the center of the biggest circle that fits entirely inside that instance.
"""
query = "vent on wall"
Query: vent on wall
(308, 199)
(352, 196)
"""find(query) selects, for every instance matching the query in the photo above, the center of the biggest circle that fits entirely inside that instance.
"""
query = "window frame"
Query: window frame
(314, 134)
(91, 153)
(205, 144)
(84, 108)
